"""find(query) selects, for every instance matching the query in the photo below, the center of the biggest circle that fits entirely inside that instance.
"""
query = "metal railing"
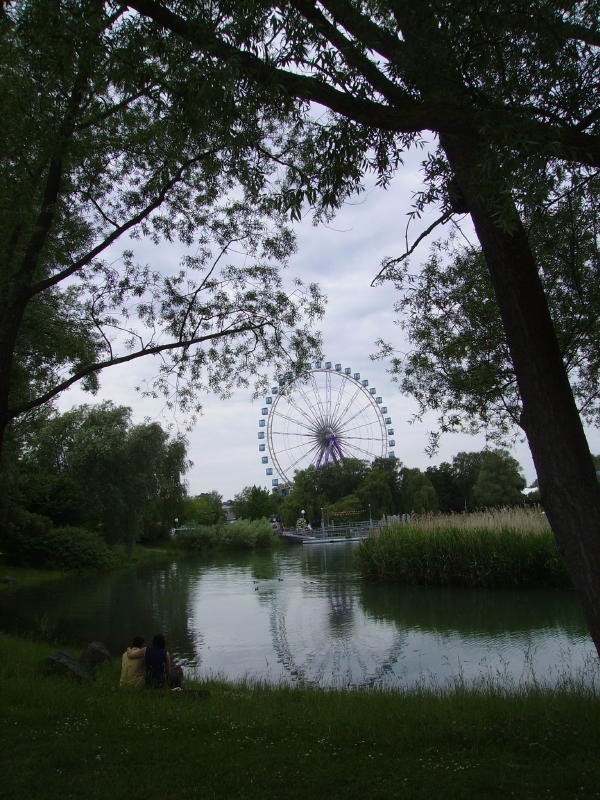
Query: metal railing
(342, 531)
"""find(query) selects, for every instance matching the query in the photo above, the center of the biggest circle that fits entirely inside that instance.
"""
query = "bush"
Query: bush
(242, 534)
(33, 541)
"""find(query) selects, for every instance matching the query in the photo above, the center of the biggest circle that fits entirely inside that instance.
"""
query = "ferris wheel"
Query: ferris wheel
(323, 417)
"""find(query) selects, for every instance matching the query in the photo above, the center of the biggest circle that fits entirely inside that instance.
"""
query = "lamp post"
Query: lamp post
(370, 517)
(322, 521)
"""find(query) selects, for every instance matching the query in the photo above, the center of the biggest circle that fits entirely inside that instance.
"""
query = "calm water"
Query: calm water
(303, 614)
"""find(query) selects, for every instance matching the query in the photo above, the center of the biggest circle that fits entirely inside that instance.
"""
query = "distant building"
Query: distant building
(228, 511)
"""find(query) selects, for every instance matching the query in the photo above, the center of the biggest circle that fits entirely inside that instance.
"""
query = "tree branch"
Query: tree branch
(408, 116)
(393, 261)
(352, 54)
(91, 369)
(55, 279)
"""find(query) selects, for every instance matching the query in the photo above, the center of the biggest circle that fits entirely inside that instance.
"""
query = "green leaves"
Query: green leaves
(91, 467)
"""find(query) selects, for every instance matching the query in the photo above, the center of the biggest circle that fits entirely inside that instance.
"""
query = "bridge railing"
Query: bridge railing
(332, 531)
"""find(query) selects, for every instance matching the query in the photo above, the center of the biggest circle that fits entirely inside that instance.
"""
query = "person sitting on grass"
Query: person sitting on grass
(132, 666)
(157, 663)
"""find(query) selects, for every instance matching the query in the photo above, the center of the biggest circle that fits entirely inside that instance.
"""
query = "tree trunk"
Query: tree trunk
(568, 485)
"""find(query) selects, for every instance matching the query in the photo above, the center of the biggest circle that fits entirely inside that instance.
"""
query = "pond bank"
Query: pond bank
(304, 615)
(251, 741)
(17, 576)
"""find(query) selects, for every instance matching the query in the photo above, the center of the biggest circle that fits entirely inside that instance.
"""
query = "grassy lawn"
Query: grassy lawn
(66, 740)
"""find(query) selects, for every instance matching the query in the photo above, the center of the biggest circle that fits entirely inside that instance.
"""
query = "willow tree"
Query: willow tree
(506, 92)
(105, 136)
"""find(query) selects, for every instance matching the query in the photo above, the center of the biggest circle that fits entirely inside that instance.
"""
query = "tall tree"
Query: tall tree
(465, 469)
(499, 481)
(446, 485)
(253, 502)
(91, 467)
(418, 493)
(505, 91)
(380, 488)
(106, 136)
(203, 509)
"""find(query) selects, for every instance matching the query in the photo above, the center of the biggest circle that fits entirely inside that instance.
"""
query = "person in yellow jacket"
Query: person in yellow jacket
(132, 664)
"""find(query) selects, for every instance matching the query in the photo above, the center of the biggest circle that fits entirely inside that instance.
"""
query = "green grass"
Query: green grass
(463, 556)
(27, 576)
(63, 740)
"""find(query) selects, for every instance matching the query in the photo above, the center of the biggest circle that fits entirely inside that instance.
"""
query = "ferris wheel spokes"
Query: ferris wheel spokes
(322, 417)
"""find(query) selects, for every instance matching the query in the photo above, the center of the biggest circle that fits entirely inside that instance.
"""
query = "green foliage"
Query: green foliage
(203, 509)
(499, 482)
(445, 483)
(35, 542)
(92, 467)
(454, 556)
(381, 487)
(488, 478)
(348, 505)
(465, 468)
(459, 363)
(121, 140)
(254, 502)
(324, 488)
(418, 493)
(242, 534)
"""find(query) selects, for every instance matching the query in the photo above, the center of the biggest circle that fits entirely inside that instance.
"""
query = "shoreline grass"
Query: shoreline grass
(244, 740)
(519, 518)
(21, 576)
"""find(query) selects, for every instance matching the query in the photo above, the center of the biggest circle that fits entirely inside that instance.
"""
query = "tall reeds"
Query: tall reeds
(525, 520)
(493, 549)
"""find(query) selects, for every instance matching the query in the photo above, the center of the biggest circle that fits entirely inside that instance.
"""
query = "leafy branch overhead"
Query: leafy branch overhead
(107, 137)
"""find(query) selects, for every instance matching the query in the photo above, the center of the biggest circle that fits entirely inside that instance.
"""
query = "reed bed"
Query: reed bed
(525, 520)
(488, 549)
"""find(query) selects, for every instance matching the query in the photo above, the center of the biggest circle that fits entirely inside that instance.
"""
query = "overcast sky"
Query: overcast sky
(343, 258)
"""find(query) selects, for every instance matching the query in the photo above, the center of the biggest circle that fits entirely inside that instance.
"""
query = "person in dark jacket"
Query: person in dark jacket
(157, 663)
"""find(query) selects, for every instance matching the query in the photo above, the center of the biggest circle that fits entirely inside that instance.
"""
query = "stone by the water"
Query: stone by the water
(95, 653)
(63, 664)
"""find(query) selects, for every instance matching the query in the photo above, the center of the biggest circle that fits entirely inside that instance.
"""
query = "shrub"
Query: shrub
(35, 542)
(242, 534)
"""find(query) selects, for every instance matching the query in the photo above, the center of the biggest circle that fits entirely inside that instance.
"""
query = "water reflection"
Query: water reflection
(303, 614)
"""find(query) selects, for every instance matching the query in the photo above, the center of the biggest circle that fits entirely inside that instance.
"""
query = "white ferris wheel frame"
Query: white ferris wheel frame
(361, 394)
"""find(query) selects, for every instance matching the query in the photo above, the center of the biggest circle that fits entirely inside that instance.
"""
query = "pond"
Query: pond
(303, 615)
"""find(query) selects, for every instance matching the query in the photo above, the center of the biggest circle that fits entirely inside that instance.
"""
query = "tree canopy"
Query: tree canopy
(254, 502)
(107, 135)
(458, 362)
(91, 467)
(205, 508)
